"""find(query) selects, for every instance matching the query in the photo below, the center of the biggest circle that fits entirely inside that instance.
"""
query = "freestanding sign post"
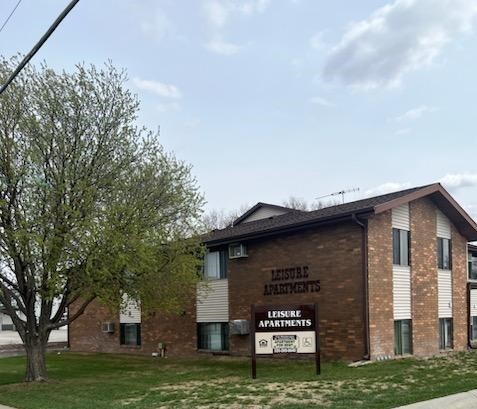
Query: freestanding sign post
(282, 329)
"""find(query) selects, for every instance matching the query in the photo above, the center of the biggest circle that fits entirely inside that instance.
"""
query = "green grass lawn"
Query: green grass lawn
(98, 381)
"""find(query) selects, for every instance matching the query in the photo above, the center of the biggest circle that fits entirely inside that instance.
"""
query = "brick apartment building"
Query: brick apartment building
(392, 275)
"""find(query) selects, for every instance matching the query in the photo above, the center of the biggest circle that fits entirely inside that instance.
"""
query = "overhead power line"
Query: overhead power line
(39, 44)
(10, 15)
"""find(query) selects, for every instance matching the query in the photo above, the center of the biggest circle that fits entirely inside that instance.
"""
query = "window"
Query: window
(402, 337)
(472, 267)
(237, 250)
(130, 334)
(473, 325)
(215, 265)
(444, 259)
(445, 333)
(400, 247)
(213, 336)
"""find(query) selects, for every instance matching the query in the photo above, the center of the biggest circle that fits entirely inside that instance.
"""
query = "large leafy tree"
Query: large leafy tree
(91, 206)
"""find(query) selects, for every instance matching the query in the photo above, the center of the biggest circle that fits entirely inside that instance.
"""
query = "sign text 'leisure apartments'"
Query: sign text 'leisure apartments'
(293, 280)
(279, 329)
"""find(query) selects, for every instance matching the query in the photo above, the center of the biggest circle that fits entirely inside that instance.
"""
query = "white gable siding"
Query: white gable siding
(400, 217)
(130, 312)
(263, 213)
(444, 286)
(473, 303)
(213, 301)
(443, 225)
(402, 292)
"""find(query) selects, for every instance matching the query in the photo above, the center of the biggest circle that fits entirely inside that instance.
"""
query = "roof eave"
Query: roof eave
(290, 228)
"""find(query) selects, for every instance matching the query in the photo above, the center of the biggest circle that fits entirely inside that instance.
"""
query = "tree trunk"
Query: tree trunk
(36, 363)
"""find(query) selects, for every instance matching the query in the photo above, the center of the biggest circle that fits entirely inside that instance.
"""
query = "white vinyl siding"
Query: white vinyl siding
(263, 213)
(130, 311)
(401, 273)
(213, 301)
(402, 292)
(400, 217)
(473, 303)
(444, 286)
(443, 226)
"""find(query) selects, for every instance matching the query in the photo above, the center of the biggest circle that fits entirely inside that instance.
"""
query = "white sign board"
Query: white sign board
(301, 342)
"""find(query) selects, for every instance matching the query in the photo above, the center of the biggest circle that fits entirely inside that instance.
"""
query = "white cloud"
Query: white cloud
(396, 39)
(219, 12)
(158, 88)
(415, 113)
(321, 101)
(223, 47)
(156, 25)
(459, 180)
(387, 187)
(254, 6)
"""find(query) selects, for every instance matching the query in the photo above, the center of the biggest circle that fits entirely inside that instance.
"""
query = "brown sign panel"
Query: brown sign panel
(283, 329)
(284, 318)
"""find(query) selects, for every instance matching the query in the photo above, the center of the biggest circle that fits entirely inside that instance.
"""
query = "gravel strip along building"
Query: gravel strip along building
(392, 275)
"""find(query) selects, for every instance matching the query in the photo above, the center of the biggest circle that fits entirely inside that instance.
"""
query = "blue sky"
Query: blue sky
(272, 98)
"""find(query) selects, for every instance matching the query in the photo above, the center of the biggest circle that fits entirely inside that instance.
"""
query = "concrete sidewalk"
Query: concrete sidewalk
(5, 407)
(465, 400)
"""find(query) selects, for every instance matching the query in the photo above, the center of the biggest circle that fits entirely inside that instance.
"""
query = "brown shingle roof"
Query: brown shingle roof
(298, 219)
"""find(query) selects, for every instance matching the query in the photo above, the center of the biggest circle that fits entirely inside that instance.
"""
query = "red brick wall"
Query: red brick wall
(380, 286)
(459, 289)
(333, 255)
(425, 322)
(178, 332)
(424, 290)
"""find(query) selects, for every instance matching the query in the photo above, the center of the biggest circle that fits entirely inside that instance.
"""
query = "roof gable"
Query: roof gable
(262, 211)
(444, 201)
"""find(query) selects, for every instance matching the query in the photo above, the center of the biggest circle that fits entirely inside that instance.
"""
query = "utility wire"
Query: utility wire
(39, 44)
(11, 14)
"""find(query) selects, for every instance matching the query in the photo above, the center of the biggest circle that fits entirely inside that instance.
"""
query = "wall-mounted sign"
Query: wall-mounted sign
(283, 329)
(291, 280)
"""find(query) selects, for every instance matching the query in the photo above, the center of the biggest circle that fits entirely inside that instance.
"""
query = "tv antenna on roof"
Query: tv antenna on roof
(341, 192)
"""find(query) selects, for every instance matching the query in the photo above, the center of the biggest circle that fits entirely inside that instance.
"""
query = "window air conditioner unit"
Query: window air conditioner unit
(237, 250)
(108, 327)
(239, 327)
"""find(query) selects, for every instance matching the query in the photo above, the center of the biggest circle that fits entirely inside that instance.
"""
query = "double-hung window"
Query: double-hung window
(215, 265)
(445, 333)
(444, 254)
(130, 334)
(472, 267)
(401, 247)
(402, 337)
(213, 336)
